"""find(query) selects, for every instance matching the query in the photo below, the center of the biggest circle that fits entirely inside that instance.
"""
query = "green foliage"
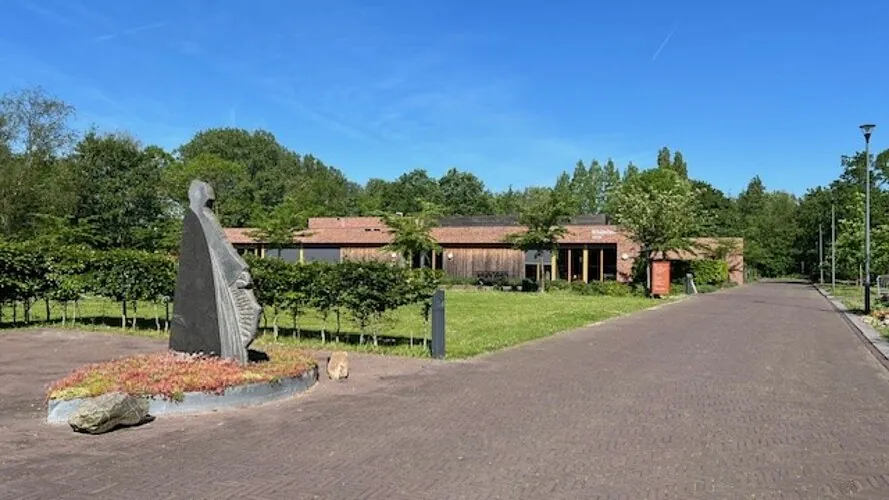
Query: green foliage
(711, 272)
(412, 233)
(544, 221)
(604, 288)
(659, 210)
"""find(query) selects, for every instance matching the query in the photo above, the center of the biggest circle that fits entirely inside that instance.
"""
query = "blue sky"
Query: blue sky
(512, 91)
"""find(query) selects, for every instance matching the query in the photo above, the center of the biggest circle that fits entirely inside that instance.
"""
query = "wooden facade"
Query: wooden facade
(365, 254)
(466, 262)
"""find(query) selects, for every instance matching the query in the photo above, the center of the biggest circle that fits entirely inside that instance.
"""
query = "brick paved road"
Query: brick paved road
(760, 392)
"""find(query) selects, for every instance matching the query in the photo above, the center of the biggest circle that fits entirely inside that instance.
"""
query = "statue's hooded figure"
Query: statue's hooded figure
(215, 311)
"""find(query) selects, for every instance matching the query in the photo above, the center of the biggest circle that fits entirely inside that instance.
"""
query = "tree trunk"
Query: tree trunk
(74, 315)
(15, 312)
(299, 333)
(275, 324)
(323, 336)
(167, 316)
(64, 312)
(135, 315)
(28, 305)
(48, 315)
(157, 319)
(542, 270)
(123, 314)
(337, 324)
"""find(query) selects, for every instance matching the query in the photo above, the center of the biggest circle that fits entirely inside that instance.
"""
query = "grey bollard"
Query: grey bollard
(438, 324)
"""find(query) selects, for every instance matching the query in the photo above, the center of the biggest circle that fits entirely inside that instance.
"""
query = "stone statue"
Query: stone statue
(214, 309)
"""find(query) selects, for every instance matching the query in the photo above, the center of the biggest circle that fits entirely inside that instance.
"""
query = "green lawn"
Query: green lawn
(476, 321)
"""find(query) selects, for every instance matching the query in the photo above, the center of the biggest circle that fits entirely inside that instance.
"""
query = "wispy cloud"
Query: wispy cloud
(49, 14)
(233, 115)
(663, 44)
(131, 31)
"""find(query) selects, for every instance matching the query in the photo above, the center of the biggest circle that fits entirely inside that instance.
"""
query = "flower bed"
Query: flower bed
(169, 375)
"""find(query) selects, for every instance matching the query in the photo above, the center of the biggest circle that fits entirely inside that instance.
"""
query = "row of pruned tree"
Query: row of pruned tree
(366, 291)
(30, 274)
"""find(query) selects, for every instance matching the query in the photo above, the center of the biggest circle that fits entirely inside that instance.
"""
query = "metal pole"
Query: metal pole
(867, 222)
(438, 324)
(821, 252)
(833, 247)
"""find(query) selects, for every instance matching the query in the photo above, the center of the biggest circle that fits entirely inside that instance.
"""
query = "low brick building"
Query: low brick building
(590, 250)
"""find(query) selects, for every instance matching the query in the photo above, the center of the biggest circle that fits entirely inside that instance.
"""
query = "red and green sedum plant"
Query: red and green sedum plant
(170, 375)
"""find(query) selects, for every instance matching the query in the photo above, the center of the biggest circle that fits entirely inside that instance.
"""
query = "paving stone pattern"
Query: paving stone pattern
(760, 392)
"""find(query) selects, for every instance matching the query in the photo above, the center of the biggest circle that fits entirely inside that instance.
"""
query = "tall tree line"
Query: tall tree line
(109, 190)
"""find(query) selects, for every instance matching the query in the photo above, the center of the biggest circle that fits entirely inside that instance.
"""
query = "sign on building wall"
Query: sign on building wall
(660, 278)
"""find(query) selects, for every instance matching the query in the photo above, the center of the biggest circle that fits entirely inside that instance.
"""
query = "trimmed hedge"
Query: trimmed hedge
(365, 290)
(709, 272)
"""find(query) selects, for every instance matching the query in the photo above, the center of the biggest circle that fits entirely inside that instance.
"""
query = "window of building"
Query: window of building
(321, 254)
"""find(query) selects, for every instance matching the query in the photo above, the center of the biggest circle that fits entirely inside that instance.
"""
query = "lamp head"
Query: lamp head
(866, 130)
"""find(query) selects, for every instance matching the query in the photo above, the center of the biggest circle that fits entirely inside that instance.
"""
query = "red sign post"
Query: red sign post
(660, 278)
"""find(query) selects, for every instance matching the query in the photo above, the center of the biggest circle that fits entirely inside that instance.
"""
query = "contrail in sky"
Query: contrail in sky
(663, 44)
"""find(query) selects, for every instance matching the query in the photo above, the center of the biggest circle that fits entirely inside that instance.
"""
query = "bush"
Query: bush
(555, 285)
(710, 272)
(606, 288)
(611, 289)
(529, 285)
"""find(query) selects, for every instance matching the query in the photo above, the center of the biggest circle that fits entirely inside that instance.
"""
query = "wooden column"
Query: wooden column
(601, 264)
(554, 268)
(569, 265)
(262, 251)
(302, 257)
(586, 265)
(433, 260)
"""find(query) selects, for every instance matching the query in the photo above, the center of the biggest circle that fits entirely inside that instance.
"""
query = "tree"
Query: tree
(719, 214)
(609, 182)
(35, 124)
(631, 171)
(412, 233)
(279, 227)
(462, 193)
(544, 222)
(679, 166)
(658, 210)
(563, 192)
(229, 180)
(663, 158)
(581, 189)
(407, 193)
(35, 133)
(508, 202)
(116, 186)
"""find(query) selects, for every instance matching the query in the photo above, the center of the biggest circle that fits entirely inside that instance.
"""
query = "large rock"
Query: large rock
(105, 412)
(214, 310)
(338, 366)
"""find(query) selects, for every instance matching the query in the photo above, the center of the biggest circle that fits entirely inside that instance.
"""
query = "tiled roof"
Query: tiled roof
(375, 235)
(345, 231)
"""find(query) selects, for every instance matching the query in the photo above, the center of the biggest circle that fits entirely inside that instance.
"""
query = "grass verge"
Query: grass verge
(852, 297)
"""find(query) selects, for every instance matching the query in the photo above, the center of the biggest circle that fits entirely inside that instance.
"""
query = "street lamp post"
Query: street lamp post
(867, 129)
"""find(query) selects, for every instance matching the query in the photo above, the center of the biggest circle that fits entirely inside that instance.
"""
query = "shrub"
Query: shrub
(610, 288)
(555, 285)
(710, 272)
(529, 285)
